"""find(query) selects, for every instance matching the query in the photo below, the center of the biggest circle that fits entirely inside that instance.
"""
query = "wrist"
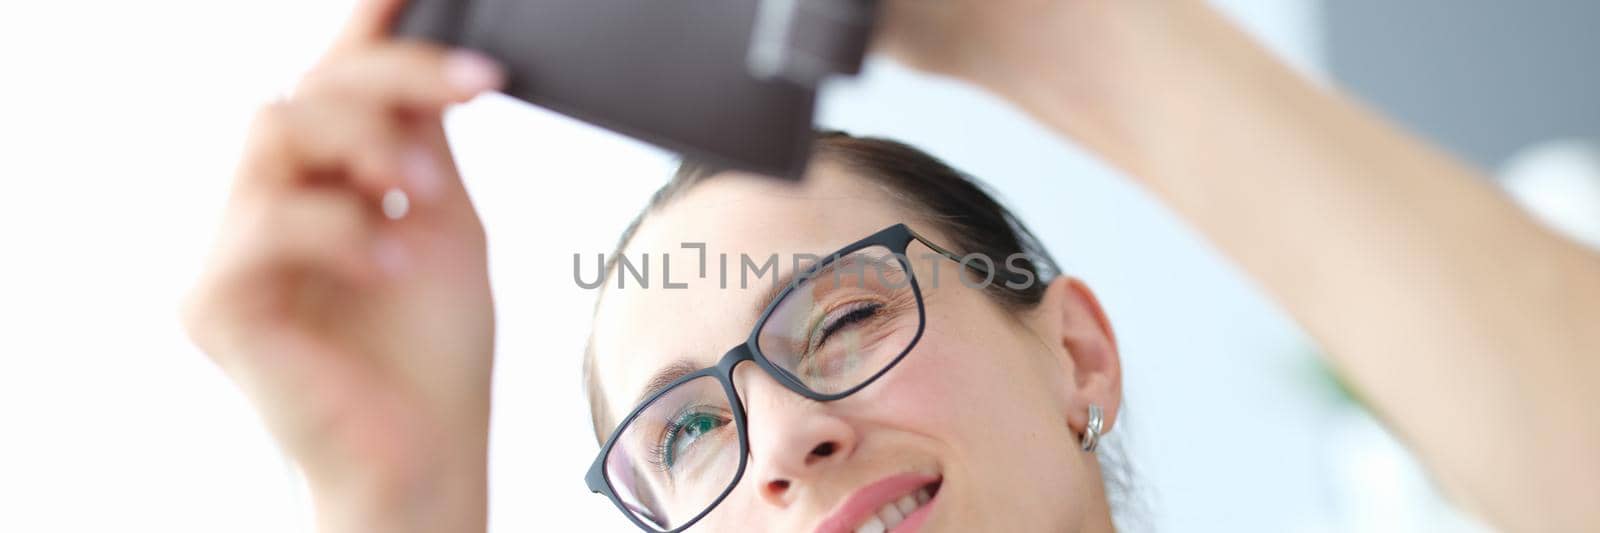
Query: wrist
(407, 475)
(447, 491)
(1122, 78)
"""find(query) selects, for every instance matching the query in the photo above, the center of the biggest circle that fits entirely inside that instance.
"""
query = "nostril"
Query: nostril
(823, 450)
(777, 486)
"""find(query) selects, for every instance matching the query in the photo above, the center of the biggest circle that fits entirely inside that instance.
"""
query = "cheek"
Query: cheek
(993, 420)
(935, 385)
(965, 389)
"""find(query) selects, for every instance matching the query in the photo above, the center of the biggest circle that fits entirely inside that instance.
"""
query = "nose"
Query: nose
(793, 440)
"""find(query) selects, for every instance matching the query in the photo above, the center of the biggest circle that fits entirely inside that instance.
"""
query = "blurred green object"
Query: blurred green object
(1317, 374)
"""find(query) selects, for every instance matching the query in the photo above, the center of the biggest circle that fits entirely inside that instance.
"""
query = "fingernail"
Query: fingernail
(390, 256)
(472, 72)
(422, 174)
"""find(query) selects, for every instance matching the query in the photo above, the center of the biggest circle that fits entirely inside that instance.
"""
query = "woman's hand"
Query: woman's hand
(1083, 67)
(365, 342)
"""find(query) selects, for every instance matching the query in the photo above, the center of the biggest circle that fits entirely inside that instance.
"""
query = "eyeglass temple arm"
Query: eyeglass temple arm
(1006, 276)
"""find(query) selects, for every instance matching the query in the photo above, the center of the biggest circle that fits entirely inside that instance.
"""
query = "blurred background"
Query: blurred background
(120, 123)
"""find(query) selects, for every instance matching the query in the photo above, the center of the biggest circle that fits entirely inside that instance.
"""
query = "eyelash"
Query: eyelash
(658, 456)
(859, 310)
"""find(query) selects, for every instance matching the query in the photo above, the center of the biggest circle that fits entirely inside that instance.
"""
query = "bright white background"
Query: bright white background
(119, 125)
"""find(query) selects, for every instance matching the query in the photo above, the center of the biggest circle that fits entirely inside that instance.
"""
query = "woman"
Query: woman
(949, 380)
(1463, 322)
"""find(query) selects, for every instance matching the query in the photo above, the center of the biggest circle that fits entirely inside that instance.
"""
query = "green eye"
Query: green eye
(682, 434)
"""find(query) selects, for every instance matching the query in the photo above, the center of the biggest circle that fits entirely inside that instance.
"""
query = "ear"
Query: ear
(1078, 333)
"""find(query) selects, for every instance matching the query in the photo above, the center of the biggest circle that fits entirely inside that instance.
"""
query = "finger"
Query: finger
(295, 143)
(406, 75)
(913, 32)
(324, 235)
(324, 231)
(368, 24)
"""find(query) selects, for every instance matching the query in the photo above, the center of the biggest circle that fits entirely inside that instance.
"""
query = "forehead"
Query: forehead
(640, 329)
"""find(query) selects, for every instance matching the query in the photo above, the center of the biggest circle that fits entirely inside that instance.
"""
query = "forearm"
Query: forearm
(449, 496)
(1469, 326)
(404, 468)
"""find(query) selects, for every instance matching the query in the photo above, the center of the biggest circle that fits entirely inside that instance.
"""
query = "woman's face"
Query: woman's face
(984, 413)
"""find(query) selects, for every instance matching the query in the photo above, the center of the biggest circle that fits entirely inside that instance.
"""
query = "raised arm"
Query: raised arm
(356, 317)
(1474, 331)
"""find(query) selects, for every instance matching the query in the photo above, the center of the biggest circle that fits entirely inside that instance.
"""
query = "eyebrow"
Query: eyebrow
(783, 281)
(663, 377)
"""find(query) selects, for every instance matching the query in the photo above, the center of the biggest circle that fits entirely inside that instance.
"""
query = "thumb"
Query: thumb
(368, 24)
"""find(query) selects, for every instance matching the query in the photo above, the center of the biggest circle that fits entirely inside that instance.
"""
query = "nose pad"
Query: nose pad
(793, 440)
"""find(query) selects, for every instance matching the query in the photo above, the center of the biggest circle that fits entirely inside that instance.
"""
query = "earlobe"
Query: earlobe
(1081, 332)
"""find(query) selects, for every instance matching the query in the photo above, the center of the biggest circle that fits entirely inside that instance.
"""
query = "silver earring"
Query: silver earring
(1091, 431)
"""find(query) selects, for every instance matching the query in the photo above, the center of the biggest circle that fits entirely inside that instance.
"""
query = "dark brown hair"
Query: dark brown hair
(960, 208)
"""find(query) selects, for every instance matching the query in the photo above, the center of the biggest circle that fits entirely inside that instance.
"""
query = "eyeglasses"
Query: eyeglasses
(834, 329)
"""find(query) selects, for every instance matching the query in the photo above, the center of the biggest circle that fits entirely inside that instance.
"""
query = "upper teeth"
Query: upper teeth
(893, 512)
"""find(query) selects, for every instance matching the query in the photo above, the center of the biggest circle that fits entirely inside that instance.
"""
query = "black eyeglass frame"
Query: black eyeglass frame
(897, 239)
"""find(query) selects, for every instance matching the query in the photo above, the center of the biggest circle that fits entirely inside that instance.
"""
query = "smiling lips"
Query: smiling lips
(898, 503)
(895, 513)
